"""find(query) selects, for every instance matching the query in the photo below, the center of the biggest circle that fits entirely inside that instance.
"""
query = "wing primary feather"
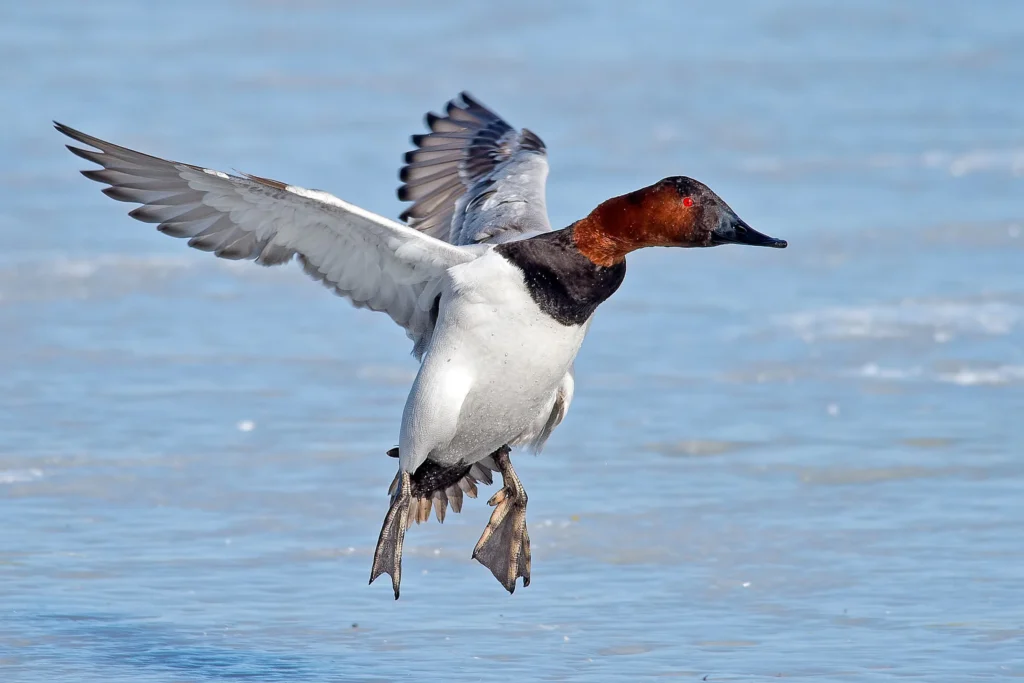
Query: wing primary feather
(470, 150)
(372, 261)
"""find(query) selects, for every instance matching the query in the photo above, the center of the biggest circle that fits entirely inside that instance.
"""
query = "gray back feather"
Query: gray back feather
(474, 179)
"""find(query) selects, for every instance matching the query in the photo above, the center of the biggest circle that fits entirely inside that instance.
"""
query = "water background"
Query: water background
(804, 463)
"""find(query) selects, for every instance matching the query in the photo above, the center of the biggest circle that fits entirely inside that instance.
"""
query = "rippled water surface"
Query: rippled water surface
(801, 463)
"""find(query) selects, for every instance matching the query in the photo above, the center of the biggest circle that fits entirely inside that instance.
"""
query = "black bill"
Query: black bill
(738, 232)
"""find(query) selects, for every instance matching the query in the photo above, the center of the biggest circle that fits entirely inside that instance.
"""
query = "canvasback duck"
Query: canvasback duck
(495, 302)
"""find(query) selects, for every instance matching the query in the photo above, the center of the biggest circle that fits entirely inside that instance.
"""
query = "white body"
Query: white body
(494, 369)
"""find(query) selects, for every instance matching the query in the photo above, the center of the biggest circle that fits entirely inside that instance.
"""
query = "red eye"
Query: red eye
(687, 201)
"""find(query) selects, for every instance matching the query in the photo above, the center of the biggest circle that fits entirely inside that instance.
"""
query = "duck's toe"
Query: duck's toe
(387, 558)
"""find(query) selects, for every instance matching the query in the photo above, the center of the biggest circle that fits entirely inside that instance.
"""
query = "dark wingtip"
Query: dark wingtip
(532, 141)
(403, 193)
(86, 154)
(270, 182)
(71, 133)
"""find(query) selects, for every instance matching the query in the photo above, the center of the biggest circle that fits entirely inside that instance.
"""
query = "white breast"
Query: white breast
(494, 364)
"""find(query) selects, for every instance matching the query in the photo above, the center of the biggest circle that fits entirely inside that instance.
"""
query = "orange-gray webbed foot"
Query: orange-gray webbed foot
(504, 547)
(431, 487)
(387, 558)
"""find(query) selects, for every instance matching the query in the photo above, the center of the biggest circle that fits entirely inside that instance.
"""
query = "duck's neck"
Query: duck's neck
(624, 224)
(564, 282)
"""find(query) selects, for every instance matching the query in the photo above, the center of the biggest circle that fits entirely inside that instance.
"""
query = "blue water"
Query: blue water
(801, 463)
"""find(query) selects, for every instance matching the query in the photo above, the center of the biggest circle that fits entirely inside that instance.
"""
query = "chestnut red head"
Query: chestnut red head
(675, 212)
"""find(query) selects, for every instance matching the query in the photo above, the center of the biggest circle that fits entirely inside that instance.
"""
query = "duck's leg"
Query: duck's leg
(387, 558)
(504, 547)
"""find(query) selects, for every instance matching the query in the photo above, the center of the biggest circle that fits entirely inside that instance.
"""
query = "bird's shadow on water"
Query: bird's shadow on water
(134, 647)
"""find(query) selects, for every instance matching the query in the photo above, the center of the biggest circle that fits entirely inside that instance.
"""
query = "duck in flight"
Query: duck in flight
(495, 302)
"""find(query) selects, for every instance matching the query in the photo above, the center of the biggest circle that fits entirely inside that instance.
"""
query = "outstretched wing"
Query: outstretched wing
(372, 261)
(474, 179)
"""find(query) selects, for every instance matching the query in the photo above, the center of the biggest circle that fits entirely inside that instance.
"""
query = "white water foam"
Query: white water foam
(875, 371)
(968, 377)
(54, 277)
(956, 164)
(936, 319)
(20, 476)
(965, 376)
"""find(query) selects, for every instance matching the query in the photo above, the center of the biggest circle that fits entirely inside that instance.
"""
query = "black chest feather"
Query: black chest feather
(565, 284)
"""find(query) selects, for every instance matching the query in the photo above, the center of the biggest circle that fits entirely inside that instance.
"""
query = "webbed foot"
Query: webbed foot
(387, 558)
(504, 546)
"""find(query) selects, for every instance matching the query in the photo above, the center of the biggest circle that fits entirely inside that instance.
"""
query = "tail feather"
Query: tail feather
(437, 488)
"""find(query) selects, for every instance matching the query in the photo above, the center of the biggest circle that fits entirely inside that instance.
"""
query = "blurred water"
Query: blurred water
(803, 463)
